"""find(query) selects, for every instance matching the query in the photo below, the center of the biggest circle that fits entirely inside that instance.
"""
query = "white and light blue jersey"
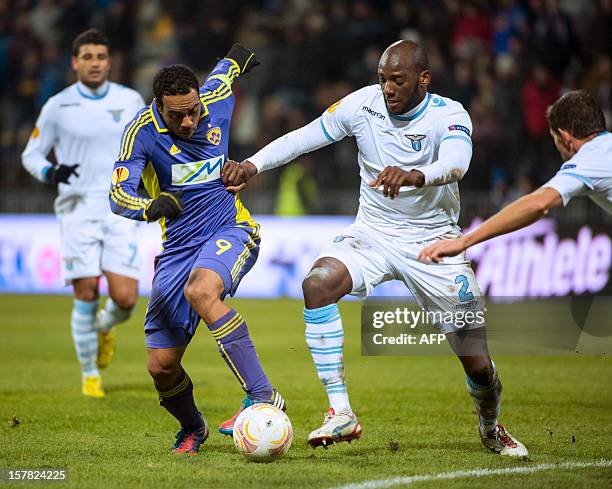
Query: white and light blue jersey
(587, 173)
(434, 138)
(82, 126)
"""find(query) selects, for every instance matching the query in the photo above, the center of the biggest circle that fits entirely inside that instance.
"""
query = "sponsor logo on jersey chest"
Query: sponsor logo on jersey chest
(197, 171)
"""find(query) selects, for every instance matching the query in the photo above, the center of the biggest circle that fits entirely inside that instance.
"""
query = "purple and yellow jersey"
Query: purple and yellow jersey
(168, 163)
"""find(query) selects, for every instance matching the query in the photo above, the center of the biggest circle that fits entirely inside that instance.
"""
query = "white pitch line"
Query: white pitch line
(460, 474)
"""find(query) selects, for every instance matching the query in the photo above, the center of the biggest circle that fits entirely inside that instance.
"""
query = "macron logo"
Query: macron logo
(373, 112)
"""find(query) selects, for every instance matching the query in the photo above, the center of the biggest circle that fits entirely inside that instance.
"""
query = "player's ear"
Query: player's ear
(566, 137)
(74, 62)
(425, 78)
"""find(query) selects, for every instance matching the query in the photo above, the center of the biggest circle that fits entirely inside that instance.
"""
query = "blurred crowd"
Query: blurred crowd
(504, 60)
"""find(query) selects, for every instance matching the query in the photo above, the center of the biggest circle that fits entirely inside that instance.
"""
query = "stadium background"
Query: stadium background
(505, 61)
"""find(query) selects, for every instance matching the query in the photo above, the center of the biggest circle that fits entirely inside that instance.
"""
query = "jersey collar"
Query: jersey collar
(414, 113)
(93, 93)
(157, 118)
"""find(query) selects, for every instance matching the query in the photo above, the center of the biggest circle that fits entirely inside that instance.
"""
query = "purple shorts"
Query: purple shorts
(170, 321)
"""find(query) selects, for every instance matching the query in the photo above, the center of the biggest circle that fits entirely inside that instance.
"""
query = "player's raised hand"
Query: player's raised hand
(243, 56)
(393, 177)
(168, 204)
(440, 249)
(236, 175)
(61, 173)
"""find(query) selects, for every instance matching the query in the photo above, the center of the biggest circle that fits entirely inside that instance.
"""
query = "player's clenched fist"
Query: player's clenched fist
(168, 204)
(393, 177)
(236, 175)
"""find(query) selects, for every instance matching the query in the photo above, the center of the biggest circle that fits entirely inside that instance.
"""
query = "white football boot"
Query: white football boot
(337, 427)
(502, 442)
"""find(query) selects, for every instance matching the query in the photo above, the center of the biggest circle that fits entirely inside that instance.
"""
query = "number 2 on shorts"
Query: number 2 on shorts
(464, 295)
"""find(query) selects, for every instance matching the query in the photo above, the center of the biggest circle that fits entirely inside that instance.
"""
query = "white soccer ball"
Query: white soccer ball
(262, 433)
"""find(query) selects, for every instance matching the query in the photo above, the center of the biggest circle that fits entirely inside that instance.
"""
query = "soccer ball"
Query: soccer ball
(262, 433)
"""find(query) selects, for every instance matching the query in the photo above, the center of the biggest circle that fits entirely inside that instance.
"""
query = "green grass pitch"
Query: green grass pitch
(416, 414)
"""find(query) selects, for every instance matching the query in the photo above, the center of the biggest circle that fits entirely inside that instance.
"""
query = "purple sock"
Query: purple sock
(235, 345)
(178, 401)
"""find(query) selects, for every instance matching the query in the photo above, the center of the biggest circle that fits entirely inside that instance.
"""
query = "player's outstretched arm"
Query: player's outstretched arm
(517, 215)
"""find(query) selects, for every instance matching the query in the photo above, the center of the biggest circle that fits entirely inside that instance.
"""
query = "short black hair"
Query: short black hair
(90, 36)
(578, 113)
(174, 80)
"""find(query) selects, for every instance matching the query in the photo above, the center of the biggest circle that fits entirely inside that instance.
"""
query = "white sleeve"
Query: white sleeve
(453, 161)
(454, 152)
(332, 126)
(288, 147)
(569, 185)
(42, 139)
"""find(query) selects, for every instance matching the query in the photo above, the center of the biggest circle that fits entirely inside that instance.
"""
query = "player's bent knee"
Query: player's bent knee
(86, 289)
(480, 370)
(127, 302)
(160, 366)
(320, 288)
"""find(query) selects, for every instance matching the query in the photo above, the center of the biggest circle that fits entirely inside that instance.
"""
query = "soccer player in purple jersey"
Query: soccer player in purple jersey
(177, 147)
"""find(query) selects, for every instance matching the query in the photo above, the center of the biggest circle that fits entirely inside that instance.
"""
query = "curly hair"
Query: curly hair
(174, 80)
(90, 36)
(578, 113)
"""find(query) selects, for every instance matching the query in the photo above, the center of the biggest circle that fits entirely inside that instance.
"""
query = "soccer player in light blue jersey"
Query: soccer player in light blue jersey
(414, 147)
(578, 127)
(177, 147)
(83, 124)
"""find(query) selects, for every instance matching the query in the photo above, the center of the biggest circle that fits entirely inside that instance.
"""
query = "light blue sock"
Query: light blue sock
(111, 315)
(325, 337)
(487, 400)
(85, 336)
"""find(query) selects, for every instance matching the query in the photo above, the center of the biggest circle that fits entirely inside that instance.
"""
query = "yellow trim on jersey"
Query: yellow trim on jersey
(243, 215)
(221, 93)
(127, 152)
(127, 205)
(129, 198)
(120, 197)
(232, 366)
(157, 126)
(151, 185)
(128, 132)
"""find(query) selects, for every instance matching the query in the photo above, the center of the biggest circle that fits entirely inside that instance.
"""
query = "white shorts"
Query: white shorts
(90, 247)
(373, 258)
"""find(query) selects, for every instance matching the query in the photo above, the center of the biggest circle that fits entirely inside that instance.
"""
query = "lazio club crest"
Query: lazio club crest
(214, 136)
(116, 114)
(416, 139)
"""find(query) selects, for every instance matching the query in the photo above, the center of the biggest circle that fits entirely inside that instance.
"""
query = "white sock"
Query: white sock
(111, 315)
(85, 336)
(325, 336)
